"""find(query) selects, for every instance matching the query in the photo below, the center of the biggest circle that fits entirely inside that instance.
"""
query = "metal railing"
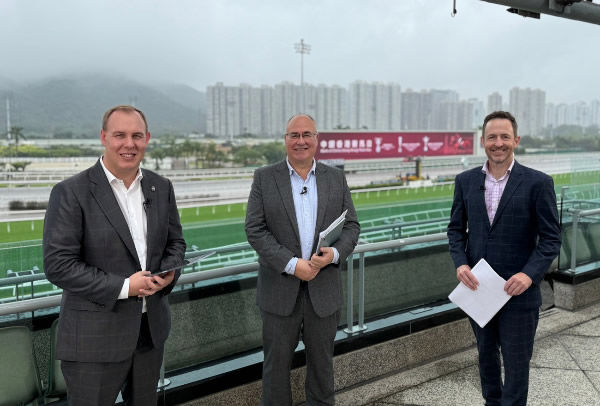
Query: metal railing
(30, 305)
(577, 214)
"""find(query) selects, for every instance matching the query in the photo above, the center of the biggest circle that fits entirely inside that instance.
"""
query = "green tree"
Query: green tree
(272, 152)
(198, 151)
(158, 154)
(16, 133)
(20, 165)
(246, 156)
(214, 158)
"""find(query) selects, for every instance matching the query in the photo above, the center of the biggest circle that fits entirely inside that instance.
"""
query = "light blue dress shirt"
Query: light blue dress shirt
(304, 192)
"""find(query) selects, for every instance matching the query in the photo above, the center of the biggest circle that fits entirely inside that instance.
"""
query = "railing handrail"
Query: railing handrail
(584, 213)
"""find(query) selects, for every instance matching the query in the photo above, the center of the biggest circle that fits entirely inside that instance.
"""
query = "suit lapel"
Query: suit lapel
(151, 208)
(480, 196)
(322, 194)
(104, 195)
(511, 186)
(284, 185)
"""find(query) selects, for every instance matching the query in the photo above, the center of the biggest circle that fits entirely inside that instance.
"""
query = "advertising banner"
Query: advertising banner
(372, 145)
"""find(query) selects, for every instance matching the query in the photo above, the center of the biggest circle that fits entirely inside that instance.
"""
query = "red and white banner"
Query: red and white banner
(369, 145)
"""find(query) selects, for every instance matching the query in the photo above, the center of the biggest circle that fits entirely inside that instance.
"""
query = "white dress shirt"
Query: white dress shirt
(131, 203)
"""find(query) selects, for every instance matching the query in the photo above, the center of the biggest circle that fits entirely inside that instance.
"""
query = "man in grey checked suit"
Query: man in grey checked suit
(299, 293)
(506, 213)
(105, 228)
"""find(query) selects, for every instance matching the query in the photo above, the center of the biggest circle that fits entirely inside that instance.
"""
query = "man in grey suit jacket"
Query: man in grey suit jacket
(506, 213)
(299, 293)
(104, 230)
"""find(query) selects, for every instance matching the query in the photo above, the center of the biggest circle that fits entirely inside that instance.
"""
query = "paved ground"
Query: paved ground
(565, 370)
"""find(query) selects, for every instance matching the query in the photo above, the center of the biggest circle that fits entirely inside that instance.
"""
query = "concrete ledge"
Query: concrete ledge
(364, 365)
(575, 296)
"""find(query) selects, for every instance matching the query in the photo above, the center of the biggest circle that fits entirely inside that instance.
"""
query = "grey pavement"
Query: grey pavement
(565, 370)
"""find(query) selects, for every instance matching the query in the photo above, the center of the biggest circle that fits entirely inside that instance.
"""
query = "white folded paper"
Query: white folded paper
(331, 233)
(489, 297)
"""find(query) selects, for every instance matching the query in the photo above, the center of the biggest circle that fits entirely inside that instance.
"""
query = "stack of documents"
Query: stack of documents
(489, 297)
(331, 233)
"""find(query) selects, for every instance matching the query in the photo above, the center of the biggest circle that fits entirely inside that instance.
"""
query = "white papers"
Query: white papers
(489, 297)
(331, 233)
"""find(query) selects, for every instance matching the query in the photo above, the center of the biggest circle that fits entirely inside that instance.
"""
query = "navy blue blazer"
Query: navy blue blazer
(524, 235)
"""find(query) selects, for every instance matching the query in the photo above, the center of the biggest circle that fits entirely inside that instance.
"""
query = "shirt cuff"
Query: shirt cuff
(290, 268)
(336, 256)
(124, 290)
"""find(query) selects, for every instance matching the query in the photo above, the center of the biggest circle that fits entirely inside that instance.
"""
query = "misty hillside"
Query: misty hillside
(76, 104)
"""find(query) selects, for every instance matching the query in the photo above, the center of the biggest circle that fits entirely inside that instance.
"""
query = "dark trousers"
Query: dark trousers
(280, 339)
(511, 332)
(99, 383)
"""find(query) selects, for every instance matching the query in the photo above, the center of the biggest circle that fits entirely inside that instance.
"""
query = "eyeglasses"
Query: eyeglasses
(305, 135)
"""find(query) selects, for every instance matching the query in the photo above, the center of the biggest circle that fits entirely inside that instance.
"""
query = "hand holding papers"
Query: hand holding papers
(489, 297)
(331, 233)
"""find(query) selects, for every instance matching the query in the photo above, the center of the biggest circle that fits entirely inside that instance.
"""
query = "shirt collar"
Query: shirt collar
(111, 177)
(485, 169)
(292, 171)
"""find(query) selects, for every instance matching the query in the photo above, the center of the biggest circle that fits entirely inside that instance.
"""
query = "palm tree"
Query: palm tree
(17, 133)
(158, 154)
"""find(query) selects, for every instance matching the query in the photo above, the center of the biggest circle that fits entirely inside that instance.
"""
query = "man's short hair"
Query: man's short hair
(505, 115)
(301, 114)
(124, 108)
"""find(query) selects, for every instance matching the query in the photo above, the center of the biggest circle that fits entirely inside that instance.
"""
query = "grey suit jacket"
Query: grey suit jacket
(524, 236)
(272, 230)
(89, 251)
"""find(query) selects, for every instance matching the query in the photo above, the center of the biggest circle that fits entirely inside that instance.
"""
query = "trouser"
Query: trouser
(280, 339)
(99, 383)
(511, 332)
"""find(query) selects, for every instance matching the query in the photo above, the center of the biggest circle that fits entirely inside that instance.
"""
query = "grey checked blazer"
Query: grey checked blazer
(272, 230)
(89, 251)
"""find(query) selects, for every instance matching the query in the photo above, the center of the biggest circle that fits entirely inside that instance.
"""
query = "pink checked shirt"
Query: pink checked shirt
(494, 189)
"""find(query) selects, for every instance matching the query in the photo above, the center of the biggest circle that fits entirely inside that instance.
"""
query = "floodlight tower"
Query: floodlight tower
(8, 128)
(302, 48)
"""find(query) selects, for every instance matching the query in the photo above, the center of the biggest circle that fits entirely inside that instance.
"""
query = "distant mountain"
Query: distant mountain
(77, 103)
(6, 84)
(184, 95)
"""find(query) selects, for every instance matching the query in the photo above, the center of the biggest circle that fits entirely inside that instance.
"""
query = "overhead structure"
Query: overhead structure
(302, 48)
(580, 10)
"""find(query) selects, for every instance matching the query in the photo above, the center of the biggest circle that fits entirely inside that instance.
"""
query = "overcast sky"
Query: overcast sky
(415, 43)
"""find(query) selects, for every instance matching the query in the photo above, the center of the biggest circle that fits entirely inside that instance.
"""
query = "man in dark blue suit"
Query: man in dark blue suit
(506, 213)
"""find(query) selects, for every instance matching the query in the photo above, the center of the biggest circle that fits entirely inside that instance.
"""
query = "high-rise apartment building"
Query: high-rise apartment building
(595, 112)
(441, 110)
(362, 105)
(529, 108)
(375, 106)
(416, 110)
(479, 112)
(494, 103)
(331, 106)
(579, 113)
(244, 109)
